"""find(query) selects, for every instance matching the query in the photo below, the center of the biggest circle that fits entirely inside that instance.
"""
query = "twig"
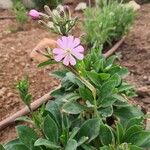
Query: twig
(11, 120)
(36, 104)
(7, 17)
(114, 48)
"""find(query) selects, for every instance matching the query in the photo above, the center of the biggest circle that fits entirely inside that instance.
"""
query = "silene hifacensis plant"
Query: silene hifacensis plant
(91, 110)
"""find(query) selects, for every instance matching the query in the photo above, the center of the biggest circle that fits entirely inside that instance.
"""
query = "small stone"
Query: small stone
(145, 78)
(2, 91)
(12, 48)
(81, 6)
(23, 64)
(10, 95)
(134, 5)
(143, 91)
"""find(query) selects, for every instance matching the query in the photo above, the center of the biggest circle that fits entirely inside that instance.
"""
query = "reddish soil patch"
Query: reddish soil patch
(136, 55)
(15, 63)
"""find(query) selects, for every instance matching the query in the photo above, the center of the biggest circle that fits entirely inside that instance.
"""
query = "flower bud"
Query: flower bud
(67, 11)
(48, 10)
(34, 14)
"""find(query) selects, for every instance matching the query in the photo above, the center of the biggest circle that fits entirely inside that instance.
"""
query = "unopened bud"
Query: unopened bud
(67, 11)
(48, 10)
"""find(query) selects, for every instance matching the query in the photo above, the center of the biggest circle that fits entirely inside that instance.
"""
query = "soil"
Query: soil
(135, 54)
(15, 63)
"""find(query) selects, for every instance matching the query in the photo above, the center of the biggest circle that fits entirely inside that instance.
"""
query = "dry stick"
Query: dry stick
(114, 48)
(7, 17)
(11, 120)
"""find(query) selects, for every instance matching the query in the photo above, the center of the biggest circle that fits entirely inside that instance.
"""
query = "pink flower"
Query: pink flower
(34, 14)
(68, 51)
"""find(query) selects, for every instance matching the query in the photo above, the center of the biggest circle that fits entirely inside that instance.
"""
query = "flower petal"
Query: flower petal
(59, 57)
(72, 60)
(58, 51)
(78, 55)
(76, 42)
(70, 41)
(65, 41)
(66, 60)
(78, 49)
(69, 59)
(60, 43)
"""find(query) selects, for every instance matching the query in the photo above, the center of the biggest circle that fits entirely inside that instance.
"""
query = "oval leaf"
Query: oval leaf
(71, 145)
(90, 129)
(27, 135)
(51, 129)
(46, 143)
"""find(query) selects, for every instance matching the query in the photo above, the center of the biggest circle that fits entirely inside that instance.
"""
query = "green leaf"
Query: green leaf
(105, 148)
(107, 88)
(106, 112)
(94, 77)
(9, 145)
(74, 132)
(51, 129)
(86, 94)
(104, 76)
(121, 104)
(106, 135)
(25, 119)
(119, 70)
(110, 61)
(45, 63)
(139, 138)
(71, 145)
(98, 65)
(90, 129)
(134, 147)
(88, 147)
(130, 131)
(18, 147)
(82, 140)
(59, 73)
(123, 72)
(119, 97)
(135, 121)
(116, 78)
(46, 143)
(73, 107)
(119, 132)
(53, 108)
(1, 147)
(126, 113)
(27, 135)
(125, 87)
(106, 102)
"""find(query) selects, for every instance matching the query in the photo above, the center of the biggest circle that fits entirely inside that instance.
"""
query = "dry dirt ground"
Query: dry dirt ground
(136, 55)
(15, 63)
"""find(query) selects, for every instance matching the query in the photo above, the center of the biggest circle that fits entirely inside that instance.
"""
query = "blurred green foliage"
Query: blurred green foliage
(20, 12)
(107, 23)
(51, 3)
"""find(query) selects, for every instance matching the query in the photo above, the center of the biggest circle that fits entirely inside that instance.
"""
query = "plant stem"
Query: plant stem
(88, 85)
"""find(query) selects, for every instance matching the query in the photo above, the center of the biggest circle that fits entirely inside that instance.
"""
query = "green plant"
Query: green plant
(51, 3)
(90, 111)
(20, 13)
(107, 24)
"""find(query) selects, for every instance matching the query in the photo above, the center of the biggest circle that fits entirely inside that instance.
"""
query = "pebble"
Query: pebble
(81, 6)
(2, 91)
(10, 95)
(143, 91)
